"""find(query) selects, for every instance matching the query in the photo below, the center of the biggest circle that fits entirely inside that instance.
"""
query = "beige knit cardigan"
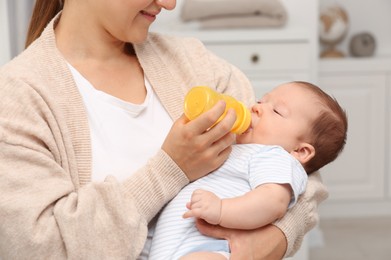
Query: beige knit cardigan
(49, 208)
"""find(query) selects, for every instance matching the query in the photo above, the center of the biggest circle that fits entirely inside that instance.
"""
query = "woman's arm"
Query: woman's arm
(265, 243)
(304, 215)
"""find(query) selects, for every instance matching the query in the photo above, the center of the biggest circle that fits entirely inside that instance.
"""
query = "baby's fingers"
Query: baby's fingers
(188, 214)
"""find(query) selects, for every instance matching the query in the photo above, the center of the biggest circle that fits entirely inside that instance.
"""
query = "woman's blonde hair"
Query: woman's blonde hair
(44, 11)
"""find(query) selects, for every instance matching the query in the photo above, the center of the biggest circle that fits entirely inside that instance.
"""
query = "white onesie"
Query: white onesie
(248, 166)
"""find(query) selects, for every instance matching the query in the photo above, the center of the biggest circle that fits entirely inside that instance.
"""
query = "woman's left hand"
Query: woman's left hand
(265, 243)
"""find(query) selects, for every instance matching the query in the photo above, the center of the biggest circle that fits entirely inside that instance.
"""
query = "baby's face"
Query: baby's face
(282, 117)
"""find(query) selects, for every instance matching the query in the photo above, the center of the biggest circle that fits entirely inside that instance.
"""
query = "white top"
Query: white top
(139, 132)
(123, 135)
(248, 166)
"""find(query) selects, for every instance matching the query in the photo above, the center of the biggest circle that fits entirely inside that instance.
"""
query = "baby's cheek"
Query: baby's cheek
(243, 138)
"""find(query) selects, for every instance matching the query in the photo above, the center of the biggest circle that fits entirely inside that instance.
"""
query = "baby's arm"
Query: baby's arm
(259, 207)
(206, 205)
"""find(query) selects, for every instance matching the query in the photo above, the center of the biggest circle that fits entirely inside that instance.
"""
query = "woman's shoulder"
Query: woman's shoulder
(36, 71)
(185, 52)
(184, 58)
(16, 73)
(39, 56)
(21, 65)
(188, 58)
(29, 61)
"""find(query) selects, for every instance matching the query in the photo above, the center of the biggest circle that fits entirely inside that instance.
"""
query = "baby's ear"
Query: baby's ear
(304, 152)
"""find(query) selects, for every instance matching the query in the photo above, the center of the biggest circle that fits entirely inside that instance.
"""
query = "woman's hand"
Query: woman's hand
(197, 150)
(265, 243)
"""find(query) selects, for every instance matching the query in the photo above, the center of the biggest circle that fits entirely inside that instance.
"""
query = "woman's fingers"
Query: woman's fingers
(209, 230)
(196, 147)
(267, 243)
(206, 120)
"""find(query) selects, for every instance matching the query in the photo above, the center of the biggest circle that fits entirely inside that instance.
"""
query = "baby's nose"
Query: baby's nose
(257, 108)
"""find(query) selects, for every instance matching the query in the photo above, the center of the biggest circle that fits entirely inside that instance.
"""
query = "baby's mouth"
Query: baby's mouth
(248, 130)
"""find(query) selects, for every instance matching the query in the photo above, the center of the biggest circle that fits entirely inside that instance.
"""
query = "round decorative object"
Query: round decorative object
(362, 45)
(333, 27)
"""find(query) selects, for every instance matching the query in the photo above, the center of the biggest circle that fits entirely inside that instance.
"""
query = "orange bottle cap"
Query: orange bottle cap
(199, 100)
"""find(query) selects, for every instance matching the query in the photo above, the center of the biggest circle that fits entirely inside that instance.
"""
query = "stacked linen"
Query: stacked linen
(212, 14)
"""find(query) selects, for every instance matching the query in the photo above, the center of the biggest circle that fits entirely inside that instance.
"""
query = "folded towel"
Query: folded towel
(205, 9)
(233, 22)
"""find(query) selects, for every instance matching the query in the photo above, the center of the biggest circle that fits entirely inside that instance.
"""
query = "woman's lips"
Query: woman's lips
(150, 16)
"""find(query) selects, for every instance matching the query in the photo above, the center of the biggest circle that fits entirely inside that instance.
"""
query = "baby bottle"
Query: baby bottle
(201, 98)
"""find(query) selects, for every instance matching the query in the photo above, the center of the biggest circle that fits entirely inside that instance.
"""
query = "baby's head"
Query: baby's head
(301, 118)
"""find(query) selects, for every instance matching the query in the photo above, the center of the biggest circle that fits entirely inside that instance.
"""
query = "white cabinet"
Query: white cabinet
(359, 172)
(268, 56)
(358, 181)
(267, 63)
(255, 54)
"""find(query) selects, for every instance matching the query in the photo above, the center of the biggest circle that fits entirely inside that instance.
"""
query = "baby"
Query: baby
(296, 129)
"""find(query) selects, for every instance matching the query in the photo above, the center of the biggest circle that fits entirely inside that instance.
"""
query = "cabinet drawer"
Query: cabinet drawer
(265, 57)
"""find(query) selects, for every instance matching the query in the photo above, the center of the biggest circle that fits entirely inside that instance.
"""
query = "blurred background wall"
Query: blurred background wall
(14, 18)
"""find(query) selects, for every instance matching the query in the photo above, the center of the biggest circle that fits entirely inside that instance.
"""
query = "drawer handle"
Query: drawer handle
(255, 58)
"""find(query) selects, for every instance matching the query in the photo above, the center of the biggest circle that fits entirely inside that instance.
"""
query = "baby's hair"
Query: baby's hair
(329, 130)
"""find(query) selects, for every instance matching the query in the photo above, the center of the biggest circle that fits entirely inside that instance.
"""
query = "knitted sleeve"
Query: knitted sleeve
(304, 215)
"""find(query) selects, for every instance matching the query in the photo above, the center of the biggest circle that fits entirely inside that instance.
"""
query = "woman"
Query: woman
(93, 142)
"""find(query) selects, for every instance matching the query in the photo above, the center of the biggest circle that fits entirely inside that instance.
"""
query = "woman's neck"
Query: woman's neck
(80, 39)
(108, 64)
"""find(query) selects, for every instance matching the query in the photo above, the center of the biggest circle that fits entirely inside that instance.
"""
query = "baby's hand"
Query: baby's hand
(206, 205)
